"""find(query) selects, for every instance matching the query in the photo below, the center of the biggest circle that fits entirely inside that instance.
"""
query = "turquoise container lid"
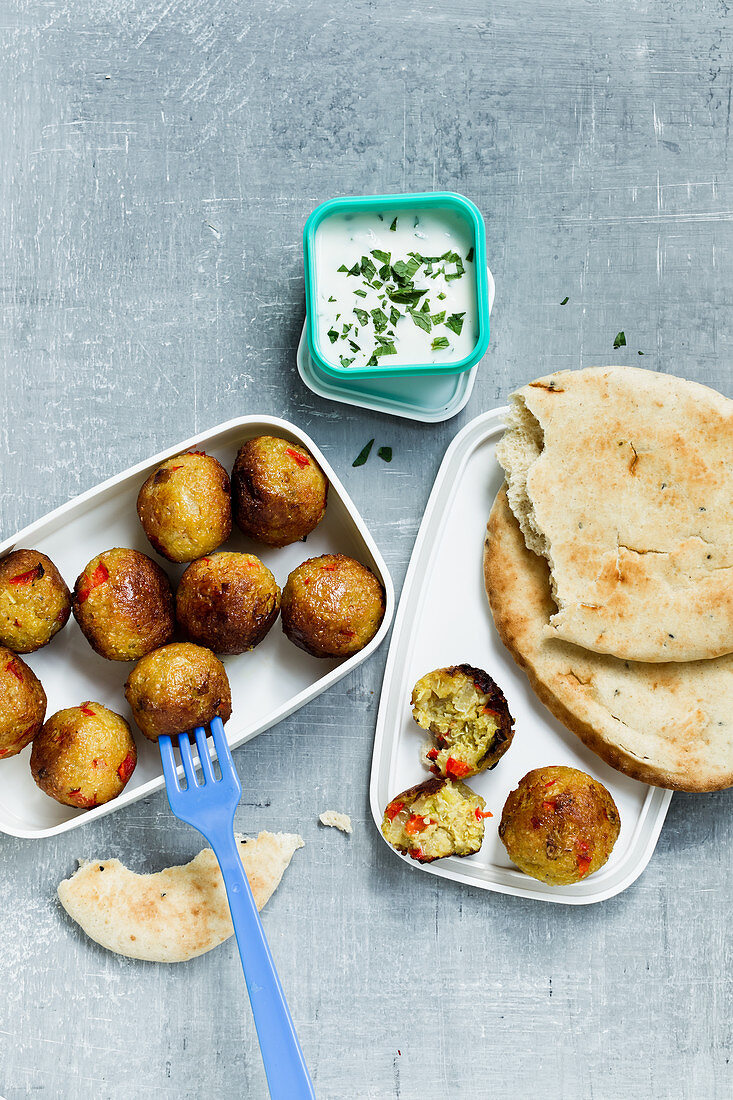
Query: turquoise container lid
(419, 201)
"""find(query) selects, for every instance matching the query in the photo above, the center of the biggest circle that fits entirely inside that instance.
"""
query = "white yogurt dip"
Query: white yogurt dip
(395, 287)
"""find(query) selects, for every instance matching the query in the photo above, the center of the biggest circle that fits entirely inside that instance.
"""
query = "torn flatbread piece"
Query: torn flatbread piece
(175, 914)
(622, 479)
(667, 724)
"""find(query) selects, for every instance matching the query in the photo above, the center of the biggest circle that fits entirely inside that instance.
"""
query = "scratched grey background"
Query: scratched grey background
(157, 162)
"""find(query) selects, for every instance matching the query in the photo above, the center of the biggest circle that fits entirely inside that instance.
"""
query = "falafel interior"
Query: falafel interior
(468, 716)
(435, 819)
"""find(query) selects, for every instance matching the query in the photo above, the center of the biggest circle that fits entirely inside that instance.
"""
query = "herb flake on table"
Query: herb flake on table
(440, 342)
(565, 301)
(363, 454)
(620, 341)
(393, 226)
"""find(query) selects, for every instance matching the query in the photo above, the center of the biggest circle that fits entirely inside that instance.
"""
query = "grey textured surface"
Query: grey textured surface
(158, 162)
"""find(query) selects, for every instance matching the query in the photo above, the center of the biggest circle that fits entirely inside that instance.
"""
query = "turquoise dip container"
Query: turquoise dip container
(433, 201)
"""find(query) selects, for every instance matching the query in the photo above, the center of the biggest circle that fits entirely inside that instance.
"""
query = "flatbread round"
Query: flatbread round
(670, 725)
(623, 480)
(175, 914)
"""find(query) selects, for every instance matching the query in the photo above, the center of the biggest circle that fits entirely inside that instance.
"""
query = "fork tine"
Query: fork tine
(184, 747)
(221, 744)
(203, 751)
(169, 763)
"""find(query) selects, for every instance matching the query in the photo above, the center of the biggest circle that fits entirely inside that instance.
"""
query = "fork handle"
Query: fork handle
(287, 1075)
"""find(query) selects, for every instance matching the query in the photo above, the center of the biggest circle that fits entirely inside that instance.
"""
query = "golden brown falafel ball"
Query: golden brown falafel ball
(278, 490)
(468, 716)
(124, 604)
(332, 606)
(185, 506)
(435, 819)
(84, 755)
(34, 601)
(176, 688)
(22, 704)
(227, 602)
(559, 825)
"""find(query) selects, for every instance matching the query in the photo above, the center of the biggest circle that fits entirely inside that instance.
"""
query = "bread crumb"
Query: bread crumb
(336, 820)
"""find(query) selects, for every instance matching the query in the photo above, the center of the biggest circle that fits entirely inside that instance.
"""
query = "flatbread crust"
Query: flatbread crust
(623, 479)
(175, 914)
(670, 725)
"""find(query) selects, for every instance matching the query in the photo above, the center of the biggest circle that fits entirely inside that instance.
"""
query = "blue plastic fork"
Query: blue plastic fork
(209, 806)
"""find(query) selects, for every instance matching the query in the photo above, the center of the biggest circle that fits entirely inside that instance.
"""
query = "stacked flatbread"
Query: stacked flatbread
(609, 566)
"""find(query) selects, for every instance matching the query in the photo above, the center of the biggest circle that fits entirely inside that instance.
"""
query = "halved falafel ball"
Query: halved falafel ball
(176, 688)
(34, 601)
(332, 606)
(468, 716)
(559, 825)
(84, 755)
(22, 704)
(278, 490)
(435, 819)
(124, 604)
(185, 506)
(227, 602)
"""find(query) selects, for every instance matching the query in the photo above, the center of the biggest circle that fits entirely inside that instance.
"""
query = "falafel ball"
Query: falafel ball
(124, 604)
(227, 602)
(22, 704)
(278, 490)
(176, 688)
(468, 716)
(559, 825)
(84, 755)
(332, 606)
(435, 819)
(34, 601)
(185, 506)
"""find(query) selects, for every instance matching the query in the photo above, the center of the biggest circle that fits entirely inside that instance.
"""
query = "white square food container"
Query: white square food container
(444, 619)
(268, 684)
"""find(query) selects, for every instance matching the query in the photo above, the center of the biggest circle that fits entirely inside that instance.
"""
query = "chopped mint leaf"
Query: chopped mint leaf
(332, 299)
(420, 320)
(363, 454)
(360, 293)
(333, 335)
(353, 346)
(345, 362)
(564, 302)
(393, 226)
(385, 349)
(385, 272)
(440, 342)
(469, 255)
(385, 453)
(362, 315)
(438, 318)
(376, 284)
(404, 272)
(355, 270)
(406, 295)
(640, 353)
(620, 341)
(380, 320)
(441, 296)
(342, 268)
(455, 323)
(394, 316)
(385, 257)
(367, 268)
(346, 328)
